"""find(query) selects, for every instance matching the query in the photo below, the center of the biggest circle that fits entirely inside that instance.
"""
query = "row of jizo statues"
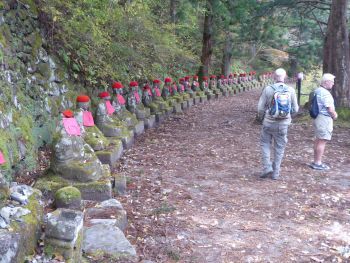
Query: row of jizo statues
(123, 115)
(85, 141)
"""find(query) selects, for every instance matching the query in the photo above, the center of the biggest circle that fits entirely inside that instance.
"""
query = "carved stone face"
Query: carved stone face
(118, 91)
(83, 105)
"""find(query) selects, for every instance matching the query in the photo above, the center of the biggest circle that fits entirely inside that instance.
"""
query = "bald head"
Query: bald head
(280, 74)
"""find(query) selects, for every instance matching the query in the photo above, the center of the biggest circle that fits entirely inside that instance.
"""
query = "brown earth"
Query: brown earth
(194, 192)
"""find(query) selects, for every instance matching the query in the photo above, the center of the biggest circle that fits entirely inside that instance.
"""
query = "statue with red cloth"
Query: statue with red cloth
(73, 158)
(119, 105)
(91, 134)
(158, 106)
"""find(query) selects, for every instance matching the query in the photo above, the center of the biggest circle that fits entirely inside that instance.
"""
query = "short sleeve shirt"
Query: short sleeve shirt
(324, 100)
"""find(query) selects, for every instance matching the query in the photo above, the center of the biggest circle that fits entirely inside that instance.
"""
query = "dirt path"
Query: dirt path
(195, 194)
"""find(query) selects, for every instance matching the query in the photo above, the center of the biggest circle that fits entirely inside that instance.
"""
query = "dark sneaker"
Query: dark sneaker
(266, 174)
(320, 167)
(275, 176)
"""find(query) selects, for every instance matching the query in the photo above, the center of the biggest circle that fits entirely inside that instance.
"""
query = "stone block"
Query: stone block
(150, 122)
(97, 191)
(196, 100)
(128, 139)
(10, 243)
(177, 108)
(190, 103)
(211, 96)
(184, 105)
(139, 128)
(118, 215)
(64, 224)
(160, 117)
(68, 197)
(203, 99)
(106, 238)
(119, 185)
(25, 232)
(64, 230)
(112, 154)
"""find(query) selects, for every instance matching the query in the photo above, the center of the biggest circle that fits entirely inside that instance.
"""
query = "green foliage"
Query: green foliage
(100, 40)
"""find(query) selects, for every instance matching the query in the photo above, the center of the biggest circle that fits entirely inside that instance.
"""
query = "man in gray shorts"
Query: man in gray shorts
(275, 126)
(323, 124)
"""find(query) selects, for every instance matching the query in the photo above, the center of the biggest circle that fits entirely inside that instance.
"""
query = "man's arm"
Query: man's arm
(332, 112)
(262, 105)
(295, 106)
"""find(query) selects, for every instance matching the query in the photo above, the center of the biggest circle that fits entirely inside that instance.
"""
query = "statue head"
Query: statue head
(117, 88)
(83, 102)
(134, 85)
(167, 82)
(104, 95)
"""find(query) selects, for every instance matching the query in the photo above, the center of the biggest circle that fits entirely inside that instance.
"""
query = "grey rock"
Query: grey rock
(21, 193)
(119, 215)
(8, 213)
(9, 246)
(108, 239)
(112, 203)
(3, 223)
(64, 224)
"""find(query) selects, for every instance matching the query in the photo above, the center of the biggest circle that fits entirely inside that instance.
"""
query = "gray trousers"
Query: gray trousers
(277, 133)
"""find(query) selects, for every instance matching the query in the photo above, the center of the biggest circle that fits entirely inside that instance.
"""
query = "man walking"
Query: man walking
(276, 104)
(323, 124)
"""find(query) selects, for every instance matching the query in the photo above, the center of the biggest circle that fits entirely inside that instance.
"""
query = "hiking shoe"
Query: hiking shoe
(320, 167)
(266, 174)
(275, 176)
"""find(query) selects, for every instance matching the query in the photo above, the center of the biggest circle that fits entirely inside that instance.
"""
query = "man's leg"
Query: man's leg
(319, 146)
(265, 143)
(280, 144)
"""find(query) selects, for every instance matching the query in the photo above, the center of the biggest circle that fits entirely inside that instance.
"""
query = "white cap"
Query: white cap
(327, 76)
(280, 72)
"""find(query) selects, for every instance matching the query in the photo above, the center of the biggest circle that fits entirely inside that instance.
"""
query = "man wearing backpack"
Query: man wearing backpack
(323, 123)
(275, 106)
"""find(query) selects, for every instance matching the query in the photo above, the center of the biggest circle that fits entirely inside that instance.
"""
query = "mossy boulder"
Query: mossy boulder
(68, 197)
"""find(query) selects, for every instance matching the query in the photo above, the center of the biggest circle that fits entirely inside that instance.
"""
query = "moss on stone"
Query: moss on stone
(67, 195)
(30, 228)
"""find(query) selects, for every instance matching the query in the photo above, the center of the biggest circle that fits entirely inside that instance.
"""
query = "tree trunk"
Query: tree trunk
(173, 11)
(227, 56)
(336, 52)
(207, 48)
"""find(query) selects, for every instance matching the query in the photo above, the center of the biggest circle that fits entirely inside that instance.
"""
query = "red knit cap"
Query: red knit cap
(133, 84)
(212, 77)
(117, 85)
(230, 75)
(182, 79)
(235, 74)
(83, 98)
(146, 86)
(167, 80)
(156, 81)
(104, 94)
(222, 76)
(195, 77)
(187, 77)
(205, 78)
(68, 114)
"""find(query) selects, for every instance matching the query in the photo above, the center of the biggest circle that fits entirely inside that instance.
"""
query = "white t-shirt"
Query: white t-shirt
(324, 100)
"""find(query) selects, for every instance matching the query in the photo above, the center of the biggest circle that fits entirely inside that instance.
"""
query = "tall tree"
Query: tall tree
(227, 54)
(336, 52)
(207, 47)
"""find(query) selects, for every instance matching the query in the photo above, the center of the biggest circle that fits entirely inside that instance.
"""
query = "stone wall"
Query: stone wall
(33, 87)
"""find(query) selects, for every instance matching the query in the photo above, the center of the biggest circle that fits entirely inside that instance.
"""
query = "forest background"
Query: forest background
(105, 40)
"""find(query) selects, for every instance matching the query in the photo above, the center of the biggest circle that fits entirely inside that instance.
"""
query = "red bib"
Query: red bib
(71, 126)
